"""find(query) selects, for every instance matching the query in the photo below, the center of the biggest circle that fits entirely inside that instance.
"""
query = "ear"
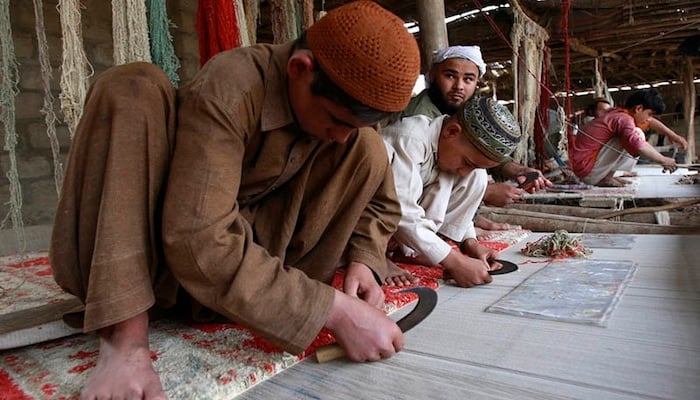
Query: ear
(300, 64)
(431, 75)
(451, 129)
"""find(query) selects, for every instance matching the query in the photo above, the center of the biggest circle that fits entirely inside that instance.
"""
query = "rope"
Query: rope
(130, 31)
(162, 50)
(566, 6)
(48, 108)
(75, 67)
(8, 93)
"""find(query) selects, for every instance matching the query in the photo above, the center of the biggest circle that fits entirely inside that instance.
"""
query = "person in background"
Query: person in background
(439, 171)
(238, 196)
(614, 141)
(452, 79)
(600, 105)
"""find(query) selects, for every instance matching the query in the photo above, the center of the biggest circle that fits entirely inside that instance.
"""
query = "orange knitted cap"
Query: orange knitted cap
(368, 53)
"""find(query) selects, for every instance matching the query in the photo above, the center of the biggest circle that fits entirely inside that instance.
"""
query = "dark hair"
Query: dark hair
(593, 107)
(323, 86)
(649, 99)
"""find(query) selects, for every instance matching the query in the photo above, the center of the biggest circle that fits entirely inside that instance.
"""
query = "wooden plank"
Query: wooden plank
(543, 222)
(38, 315)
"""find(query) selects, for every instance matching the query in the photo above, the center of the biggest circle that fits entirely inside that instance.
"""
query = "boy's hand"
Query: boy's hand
(359, 282)
(472, 248)
(364, 332)
(501, 194)
(466, 271)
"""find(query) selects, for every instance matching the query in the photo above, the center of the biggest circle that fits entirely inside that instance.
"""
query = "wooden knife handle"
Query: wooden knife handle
(329, 352)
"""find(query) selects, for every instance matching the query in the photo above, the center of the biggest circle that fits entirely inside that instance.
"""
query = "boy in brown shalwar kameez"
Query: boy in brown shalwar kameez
(246, 188)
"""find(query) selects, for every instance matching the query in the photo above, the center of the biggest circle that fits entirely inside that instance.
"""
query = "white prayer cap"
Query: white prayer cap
(470, 53)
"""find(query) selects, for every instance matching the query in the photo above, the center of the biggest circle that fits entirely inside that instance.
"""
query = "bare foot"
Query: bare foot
(629, 174)
(612, 182)
(487, 224)
(124, 368)
(398, 276)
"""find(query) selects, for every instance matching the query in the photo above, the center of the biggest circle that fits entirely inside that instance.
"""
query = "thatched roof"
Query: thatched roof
(636, 42)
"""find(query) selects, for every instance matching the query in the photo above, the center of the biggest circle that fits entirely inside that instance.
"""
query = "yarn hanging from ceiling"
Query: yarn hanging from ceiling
(161, 41)
(48, 107)
(285, 20)
(242, 27)
(217, 28)
(250, 17)
(75, 68)
(130, 31)
(565, 8)
(9, 74)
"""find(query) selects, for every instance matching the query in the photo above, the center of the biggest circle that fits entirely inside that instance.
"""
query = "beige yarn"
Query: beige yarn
(242, 24)
(252, 15)
(48, 109)
(75, 67)
(130, 31)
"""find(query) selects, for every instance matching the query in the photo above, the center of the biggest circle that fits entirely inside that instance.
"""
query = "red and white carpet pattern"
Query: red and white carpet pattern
(212, 361)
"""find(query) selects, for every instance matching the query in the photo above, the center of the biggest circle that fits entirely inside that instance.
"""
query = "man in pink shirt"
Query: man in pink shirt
(613, 141)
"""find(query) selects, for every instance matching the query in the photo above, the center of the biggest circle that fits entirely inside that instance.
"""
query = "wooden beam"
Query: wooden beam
(577, 45)
(433, 31)
(543, 222)
(689, 107)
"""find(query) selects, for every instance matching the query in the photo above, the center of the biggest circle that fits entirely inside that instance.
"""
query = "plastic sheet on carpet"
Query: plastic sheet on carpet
(579, 291)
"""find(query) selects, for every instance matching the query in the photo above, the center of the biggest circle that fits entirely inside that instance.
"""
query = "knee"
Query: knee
(373, 153)
(134, 79)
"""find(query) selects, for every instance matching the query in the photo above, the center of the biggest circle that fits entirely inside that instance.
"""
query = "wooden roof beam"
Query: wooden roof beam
(578, 46)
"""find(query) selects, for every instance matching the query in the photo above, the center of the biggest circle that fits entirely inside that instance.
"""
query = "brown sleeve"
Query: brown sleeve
(210, 247)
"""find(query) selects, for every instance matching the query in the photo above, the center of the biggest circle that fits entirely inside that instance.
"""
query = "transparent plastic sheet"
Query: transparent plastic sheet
(607, 241)
(578, 291)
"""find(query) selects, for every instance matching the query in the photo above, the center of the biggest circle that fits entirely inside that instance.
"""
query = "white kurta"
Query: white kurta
(432, 201)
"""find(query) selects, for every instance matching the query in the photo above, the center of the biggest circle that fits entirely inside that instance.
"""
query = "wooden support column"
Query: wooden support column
(689, 108)
(433, 31)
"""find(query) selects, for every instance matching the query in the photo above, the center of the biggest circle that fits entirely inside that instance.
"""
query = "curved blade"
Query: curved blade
(427, 299)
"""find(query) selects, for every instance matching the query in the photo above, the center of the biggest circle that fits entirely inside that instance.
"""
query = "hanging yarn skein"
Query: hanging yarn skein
(162, 50)
(48, 107)
(130, 31)
(75, 66)
(217, 28)
(9, 78)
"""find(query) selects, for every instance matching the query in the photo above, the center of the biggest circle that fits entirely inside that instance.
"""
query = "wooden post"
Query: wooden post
(433, 31)
(689, 108)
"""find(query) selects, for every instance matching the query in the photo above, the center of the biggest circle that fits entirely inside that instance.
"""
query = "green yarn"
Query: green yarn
(162, 50)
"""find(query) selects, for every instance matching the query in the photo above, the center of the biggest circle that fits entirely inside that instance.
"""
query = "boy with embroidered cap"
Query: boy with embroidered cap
(452, 80)
(439, 174)
(242, 192)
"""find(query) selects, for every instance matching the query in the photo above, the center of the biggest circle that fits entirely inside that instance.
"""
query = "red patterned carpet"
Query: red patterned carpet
(212, 361)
